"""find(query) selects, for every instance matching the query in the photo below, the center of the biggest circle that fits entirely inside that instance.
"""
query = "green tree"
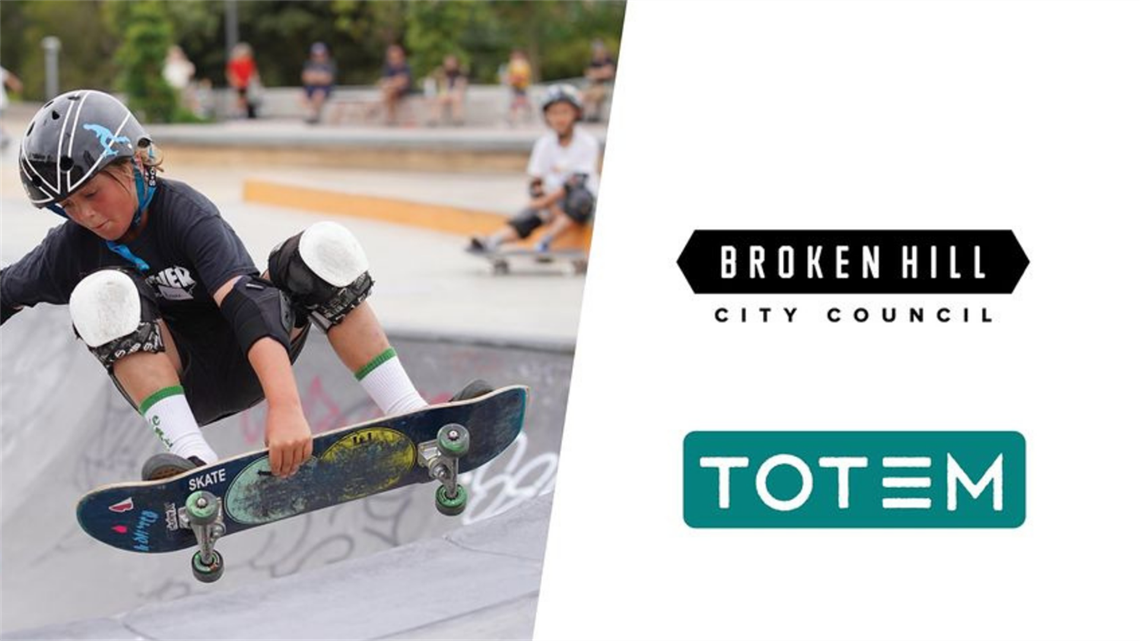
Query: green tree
(434, 30)
(148, 35)
(524, 23)
(556, 36)
(569, 33)
(86, 54)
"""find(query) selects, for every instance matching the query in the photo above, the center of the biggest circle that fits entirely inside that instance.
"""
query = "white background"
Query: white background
(829, 115)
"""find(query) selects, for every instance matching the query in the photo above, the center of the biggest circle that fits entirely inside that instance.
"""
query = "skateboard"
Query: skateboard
(575, 259)
(198, 507)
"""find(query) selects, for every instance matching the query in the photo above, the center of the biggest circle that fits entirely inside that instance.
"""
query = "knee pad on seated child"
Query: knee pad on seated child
(324, 271)
(116, 314)
(579, 202)
(579, 205)
(525, 222)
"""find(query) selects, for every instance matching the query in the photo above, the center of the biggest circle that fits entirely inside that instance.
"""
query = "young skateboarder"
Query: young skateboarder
(563, 172)
(166, 296)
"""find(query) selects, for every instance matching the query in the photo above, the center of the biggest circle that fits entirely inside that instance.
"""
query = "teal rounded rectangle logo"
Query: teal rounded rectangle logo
(945, 479)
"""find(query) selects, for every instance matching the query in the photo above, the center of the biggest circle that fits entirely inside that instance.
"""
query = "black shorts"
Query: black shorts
(312, 90)
(216, 375)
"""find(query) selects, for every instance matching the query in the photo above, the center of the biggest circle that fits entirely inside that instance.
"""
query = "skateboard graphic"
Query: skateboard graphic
(574, 260)
(196, 508)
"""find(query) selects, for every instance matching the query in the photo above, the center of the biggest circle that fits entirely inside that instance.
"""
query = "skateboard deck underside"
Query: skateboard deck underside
(573, 260)
(551, 253)
(347, 464)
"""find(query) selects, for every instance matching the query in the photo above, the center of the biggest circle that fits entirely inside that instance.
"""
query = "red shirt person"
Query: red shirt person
(241, 73)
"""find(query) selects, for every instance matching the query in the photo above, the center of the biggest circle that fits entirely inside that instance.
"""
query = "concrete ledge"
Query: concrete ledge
(293, 143)
(379, 158)
(291, 134)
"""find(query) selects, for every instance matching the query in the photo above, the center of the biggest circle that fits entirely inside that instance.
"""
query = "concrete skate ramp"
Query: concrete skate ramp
(65, 430)
(480, 581)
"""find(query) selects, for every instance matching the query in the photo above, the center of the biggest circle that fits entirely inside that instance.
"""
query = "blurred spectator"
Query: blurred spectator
(318, 76)
(395, 83)
(518, 79)
(451, 83)
(207, 103)
(241, 74)
(178, 72)
(563, 171)
(600, 78)
(8, 80)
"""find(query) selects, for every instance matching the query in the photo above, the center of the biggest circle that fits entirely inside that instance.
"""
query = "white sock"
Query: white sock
(385, 380)
(168, 414)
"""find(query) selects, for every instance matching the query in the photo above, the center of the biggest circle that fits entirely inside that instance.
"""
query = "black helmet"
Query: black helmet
(72, 138)
(562, 93)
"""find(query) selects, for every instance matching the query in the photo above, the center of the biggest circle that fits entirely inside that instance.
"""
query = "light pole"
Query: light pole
(231, 26)
(51, 47)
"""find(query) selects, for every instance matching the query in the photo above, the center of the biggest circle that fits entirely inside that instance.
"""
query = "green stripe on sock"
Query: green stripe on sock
(165, 392)
(384, 357)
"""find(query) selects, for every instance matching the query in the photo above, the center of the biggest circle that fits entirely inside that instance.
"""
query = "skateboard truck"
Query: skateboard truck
(441, 458)
(202, 515)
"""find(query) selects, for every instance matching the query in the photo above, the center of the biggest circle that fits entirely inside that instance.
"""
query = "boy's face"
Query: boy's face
(561, 116)
(102, 205)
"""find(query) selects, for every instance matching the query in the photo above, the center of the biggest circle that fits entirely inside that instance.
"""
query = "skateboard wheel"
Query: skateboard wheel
(454, 440)
(202, 508)
(500, 267)
(450, 506)
(207, 573)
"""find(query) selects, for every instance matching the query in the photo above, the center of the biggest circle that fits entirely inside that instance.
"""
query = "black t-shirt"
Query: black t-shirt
(453, 77)
(190, 249)
(396, 71)
(327, 66)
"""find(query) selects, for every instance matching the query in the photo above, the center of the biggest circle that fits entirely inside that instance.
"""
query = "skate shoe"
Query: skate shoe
(165, 465)
(474, 389)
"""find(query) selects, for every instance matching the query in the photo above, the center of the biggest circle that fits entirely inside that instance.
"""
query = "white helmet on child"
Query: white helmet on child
(562, 93)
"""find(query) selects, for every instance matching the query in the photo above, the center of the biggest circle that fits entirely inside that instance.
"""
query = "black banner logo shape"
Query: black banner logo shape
(810, 262)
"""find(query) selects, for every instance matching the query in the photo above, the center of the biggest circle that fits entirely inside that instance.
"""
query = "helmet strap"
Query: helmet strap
(144, 195)
(122, 250)
(141, 190)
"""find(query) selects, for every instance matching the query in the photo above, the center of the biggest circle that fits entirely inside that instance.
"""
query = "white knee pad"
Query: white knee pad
(333, 253)
(114, 317)
(324, 272)
(105, 306)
